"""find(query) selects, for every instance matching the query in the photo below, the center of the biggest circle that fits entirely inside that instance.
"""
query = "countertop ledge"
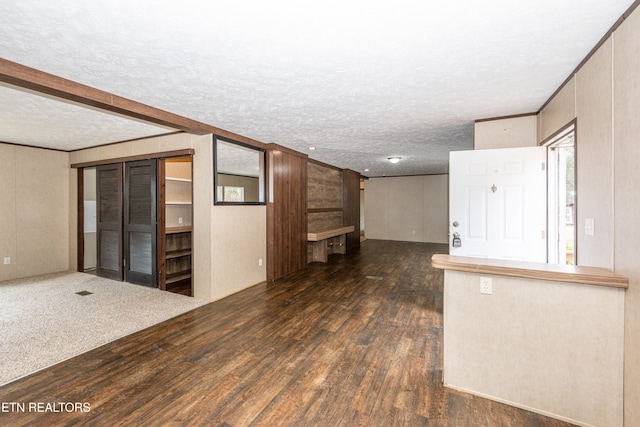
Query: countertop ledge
(531, 270)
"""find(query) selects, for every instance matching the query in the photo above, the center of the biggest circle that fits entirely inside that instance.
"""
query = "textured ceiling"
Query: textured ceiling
(32, 119)
(359, 80)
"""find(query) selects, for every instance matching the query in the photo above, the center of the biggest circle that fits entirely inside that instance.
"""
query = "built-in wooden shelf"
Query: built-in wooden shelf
(178, 254)
(173, 230)
(531, 270)
(322, 235)
(174, 278)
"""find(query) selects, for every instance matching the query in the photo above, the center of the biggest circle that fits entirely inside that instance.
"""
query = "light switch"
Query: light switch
(589, 226)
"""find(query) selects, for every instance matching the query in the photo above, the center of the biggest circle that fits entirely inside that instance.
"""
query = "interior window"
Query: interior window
(239, 171)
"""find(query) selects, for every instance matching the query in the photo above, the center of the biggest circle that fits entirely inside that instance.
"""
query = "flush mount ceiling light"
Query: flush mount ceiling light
(312, 148)
(394, 159)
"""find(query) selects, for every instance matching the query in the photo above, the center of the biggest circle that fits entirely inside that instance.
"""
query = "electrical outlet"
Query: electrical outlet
(179, 220)
(485, 285)
(260, 262)
(7, 260)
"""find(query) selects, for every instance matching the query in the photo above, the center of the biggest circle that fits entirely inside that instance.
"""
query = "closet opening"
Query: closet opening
(135, 220)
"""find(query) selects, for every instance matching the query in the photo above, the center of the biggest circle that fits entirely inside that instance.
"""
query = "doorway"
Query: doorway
(497, 203)
(90, 224)
(562, 197)
(135, 220)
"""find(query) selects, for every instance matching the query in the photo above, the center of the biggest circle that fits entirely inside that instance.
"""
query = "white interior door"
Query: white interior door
(498, 203)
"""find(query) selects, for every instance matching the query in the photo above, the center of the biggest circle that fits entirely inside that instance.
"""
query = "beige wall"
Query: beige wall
(506, 133)
(227, 243)
(559, 112)
(238, 243)
(595, 159)
(413, 208)
(203, 263)
(626, 125)
(552, 347)
(8, 210)
(604, 96)
(34, 211)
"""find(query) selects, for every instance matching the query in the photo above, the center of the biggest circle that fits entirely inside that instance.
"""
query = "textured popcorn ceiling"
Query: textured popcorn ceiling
(359, 80)
(32, 119)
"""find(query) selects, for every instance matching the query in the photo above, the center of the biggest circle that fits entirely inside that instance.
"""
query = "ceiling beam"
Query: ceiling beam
(39, 81)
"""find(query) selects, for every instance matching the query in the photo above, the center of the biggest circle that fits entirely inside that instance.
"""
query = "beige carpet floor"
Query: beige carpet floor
(43, 321)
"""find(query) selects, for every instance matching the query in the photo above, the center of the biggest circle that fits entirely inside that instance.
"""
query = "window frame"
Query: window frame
(262, 159)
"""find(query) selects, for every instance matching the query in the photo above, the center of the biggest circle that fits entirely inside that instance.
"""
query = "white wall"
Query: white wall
(34, 200)
(413, 208)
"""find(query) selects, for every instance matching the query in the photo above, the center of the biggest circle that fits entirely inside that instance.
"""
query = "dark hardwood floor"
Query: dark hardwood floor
(355, 342)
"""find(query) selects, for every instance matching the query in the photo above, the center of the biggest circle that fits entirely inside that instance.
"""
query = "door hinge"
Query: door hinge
(543, 165)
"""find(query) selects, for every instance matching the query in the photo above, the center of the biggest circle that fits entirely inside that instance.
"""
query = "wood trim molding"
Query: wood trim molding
(513, 116)
(531, 270)
(162, 155)
(33, 146)
(239, 138)
(39, 81)
(160, 135)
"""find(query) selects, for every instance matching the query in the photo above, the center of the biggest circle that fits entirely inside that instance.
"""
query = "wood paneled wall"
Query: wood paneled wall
(351, 206)
(333, 200)
(325, 220)
(286, 212)
(324, 185)
(305, 195)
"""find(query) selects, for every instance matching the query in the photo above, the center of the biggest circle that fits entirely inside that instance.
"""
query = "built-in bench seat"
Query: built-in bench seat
(327, 242)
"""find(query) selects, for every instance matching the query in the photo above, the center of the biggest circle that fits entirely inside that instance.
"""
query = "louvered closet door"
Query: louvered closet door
(109, 221)
(140, 222)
